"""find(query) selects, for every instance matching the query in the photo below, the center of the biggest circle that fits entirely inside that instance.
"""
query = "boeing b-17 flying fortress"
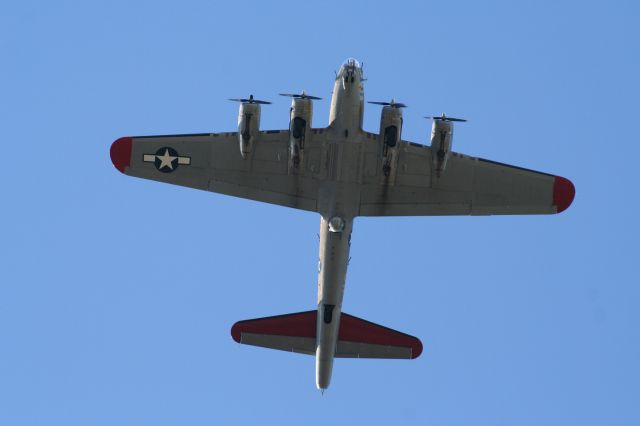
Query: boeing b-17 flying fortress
(341, 172)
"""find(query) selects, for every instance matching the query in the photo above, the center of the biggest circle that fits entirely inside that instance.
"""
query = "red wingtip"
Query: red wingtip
(235, 332)
(121, 153)
(563, 193)
(416, 349)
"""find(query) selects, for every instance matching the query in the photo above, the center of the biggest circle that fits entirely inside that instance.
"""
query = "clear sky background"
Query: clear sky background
(117, 294)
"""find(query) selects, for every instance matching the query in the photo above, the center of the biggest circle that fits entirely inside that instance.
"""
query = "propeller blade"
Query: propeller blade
(391, 104)
(251, 100)
(445, 118)
(301, 96)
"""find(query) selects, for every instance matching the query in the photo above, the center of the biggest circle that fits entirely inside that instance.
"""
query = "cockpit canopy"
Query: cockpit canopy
(351, 63)
(350, 68)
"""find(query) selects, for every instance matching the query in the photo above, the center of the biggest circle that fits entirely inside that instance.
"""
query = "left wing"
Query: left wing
(212, 162)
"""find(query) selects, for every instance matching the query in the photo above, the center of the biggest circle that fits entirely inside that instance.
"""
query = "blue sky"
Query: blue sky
(117, 294)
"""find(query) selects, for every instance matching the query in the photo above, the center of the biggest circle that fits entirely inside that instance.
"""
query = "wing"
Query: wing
(468, 186)
(212, 162)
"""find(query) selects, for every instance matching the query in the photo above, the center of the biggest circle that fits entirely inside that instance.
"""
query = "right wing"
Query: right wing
(468, 186)
(212, 162)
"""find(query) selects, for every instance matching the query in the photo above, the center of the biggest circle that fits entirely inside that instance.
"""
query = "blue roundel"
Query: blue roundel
(166, 159)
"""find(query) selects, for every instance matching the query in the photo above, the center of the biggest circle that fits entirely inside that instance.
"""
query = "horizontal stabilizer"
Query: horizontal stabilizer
(296, 332)
(291, 332)
(359, 338)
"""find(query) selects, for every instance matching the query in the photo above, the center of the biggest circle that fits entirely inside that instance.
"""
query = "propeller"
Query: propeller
(302, 95)
(251, 100)
(392, 104)
(445, 118)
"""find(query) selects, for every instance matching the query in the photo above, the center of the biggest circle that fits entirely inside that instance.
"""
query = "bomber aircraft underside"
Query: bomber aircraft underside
(341, 172)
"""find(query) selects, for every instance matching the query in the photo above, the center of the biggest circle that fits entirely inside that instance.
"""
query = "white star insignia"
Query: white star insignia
(166, 160)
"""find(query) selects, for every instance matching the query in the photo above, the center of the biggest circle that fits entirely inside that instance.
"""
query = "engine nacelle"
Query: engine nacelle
(441, 140)
(248, 126)
(390, 134)
(299, 129)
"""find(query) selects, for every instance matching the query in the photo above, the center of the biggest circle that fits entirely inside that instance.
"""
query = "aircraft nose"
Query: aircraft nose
(350, 66)
(351, 63)
(121, 153)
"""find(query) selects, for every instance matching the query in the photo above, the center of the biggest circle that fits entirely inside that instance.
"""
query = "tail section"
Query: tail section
(357, 338)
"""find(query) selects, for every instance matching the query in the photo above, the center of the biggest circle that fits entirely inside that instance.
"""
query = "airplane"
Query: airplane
(340, 171)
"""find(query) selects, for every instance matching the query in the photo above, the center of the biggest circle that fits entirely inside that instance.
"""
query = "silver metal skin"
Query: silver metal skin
(248, 126)
(338, 207)
(390, 132)
(441, 140)
(300, 117)
(334, 255)
(347, 100)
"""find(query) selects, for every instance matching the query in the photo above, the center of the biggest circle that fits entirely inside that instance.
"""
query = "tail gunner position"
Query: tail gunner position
(340, 172)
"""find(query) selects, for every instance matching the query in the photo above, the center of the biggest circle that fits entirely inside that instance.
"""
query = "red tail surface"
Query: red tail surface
(357, 338)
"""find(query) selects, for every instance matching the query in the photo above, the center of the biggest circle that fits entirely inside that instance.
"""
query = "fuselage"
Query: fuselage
(338, 208)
